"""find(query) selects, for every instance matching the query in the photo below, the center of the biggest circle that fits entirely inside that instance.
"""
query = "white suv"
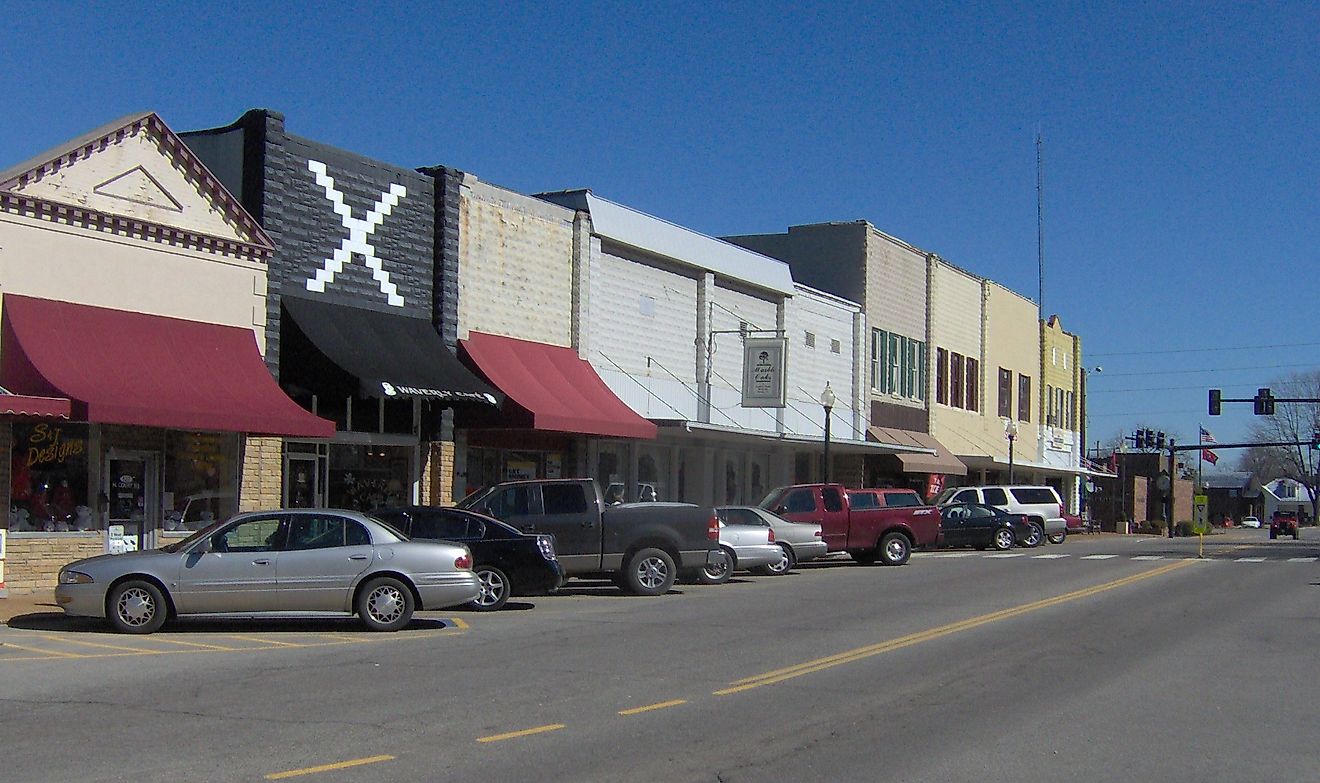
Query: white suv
(1039, 504)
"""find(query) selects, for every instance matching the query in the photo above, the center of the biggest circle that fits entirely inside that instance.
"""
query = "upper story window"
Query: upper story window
(1005, 393)
(898, 365)
(810, 339)
(1024, 398)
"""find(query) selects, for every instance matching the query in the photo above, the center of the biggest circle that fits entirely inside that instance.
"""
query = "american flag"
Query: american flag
(1206, 437)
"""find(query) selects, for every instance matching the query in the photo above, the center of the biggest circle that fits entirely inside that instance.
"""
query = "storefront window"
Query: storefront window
(653, 473)
(364, 478)
(49, 488)
(200, 479)
(610, 472)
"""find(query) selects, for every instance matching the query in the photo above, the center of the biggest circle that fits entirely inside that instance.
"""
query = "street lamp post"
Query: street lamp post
(1010, 432)
(827, 400)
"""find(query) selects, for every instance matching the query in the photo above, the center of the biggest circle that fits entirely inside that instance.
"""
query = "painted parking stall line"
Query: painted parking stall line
(1303, 559)
(1148, 557)
(1004, 555)
(1098, 557)
(1048, 557)
(1249, 560)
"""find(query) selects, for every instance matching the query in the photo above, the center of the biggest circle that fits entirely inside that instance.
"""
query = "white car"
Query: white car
(1250, 522)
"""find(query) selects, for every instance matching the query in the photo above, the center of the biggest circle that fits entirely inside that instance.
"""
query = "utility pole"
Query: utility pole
(1040, 222)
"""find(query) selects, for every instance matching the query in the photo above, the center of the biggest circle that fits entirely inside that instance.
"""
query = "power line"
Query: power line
(1147, 373)
(1203, 350)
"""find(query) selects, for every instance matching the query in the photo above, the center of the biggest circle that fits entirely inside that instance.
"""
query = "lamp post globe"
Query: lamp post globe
(827, 400)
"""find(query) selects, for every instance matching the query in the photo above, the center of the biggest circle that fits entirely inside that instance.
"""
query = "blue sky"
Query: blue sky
(1182, 176)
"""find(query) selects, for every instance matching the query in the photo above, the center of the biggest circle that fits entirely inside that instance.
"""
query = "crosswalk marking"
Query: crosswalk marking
(1098, 557)
(1148, 557)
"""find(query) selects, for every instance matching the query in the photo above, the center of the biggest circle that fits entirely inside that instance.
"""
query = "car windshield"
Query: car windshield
(179, 546)
(388, 526)
(772, 499)
(473, 500)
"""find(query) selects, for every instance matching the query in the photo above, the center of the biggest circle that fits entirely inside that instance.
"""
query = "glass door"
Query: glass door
(130, 479)
(303, 487)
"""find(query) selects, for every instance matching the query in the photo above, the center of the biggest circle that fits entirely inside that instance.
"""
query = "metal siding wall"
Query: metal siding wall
(516, 266)
(732, 307)
(621, 334)
(810, 368)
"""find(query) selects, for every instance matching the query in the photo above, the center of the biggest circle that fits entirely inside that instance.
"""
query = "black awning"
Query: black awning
(392, 356)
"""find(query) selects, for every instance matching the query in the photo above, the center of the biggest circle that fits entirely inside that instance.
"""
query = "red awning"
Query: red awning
(130, 368)
(560, 391)
(44, 407)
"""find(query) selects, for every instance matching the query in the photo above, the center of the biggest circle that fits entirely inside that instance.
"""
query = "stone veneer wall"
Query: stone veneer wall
(438, 474)
(261, 484)
(33, 560)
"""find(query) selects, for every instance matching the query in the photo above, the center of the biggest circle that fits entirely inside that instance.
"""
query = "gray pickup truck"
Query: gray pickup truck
(642, 546)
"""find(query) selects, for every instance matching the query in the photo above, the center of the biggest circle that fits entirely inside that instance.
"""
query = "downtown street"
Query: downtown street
(1106, 658)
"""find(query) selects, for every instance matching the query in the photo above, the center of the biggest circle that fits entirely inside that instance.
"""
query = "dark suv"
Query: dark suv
(1284, 523)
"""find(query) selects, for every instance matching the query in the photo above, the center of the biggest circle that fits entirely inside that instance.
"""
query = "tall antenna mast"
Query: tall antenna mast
(1040, 222)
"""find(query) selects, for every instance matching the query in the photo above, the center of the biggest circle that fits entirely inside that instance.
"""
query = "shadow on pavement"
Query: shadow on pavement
(58, 623)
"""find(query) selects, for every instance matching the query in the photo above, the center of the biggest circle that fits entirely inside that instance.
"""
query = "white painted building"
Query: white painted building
(664, 321)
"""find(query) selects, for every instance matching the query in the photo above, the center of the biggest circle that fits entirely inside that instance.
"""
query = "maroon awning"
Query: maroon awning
(41, 407)
(559, 390)
(131, 368)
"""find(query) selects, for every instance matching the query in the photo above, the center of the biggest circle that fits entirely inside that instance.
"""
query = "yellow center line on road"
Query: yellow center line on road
(523, 733)
(819, 664)
(660, 706)
(71, 640)
(458, 622)
(47, 653)
(293, 773)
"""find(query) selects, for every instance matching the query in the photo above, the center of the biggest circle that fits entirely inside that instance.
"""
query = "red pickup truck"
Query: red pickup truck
(869, 524)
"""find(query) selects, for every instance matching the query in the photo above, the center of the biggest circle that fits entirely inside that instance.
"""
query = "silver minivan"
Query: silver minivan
(1039, 504)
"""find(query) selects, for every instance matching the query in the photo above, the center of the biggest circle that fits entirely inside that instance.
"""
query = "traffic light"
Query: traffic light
(1216, 401)
(1263, 403)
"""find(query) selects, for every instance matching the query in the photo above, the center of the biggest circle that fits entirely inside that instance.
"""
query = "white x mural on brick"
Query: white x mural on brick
(359, 231)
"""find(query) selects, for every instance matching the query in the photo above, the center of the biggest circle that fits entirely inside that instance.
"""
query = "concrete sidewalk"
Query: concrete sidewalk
(17, 605)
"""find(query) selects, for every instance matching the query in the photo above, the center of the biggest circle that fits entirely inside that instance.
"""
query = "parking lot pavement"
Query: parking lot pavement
(35, 630)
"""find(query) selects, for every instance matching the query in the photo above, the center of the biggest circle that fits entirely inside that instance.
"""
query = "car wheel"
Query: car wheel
(1036, 536)
(863, 556)
(649, 571)
(1004, 539)
(717, 573)
(385, 604)
(495, 589)
(137, 606)
(1056, 538)
(787, 560)
(895, 549)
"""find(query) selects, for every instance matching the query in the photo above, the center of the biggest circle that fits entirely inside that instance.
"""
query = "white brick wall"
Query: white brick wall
(515, 265)
(895, 287)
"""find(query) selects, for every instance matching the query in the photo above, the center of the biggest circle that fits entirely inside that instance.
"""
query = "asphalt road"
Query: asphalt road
(1104, 659)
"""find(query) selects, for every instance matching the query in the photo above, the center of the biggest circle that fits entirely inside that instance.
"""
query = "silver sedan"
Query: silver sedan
(743, 548)
(798, 541)
(292, 561)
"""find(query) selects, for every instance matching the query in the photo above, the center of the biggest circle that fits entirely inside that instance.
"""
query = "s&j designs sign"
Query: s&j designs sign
(763, 372)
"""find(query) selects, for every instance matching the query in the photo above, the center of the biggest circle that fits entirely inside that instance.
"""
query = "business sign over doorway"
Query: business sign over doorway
(764, 383)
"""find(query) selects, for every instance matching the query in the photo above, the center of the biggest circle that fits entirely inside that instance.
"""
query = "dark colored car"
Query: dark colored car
(506, 561)
(981, 526)
(1284, 524)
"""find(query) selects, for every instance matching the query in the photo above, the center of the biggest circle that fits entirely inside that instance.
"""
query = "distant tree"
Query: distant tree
(1297, 422)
